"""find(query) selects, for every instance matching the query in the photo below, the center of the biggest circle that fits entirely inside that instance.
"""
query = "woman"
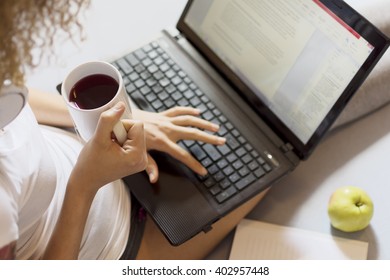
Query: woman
(62, 200)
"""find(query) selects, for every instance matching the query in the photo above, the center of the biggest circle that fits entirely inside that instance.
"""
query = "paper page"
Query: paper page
(255, 240)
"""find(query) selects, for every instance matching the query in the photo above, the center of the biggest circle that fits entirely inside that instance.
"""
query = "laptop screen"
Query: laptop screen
(296, 58)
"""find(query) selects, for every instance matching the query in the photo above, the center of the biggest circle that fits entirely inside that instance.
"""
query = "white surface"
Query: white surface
(356, 155)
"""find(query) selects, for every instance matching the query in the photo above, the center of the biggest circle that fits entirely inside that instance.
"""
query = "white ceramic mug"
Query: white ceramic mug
(86, 120)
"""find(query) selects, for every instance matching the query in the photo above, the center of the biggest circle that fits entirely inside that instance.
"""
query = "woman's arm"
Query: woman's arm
(101, 161)
(49, 108)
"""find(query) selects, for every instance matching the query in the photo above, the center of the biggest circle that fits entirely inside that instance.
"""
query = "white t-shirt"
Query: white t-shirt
(35, 163)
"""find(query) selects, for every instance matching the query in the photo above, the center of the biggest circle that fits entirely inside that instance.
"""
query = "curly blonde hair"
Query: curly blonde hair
(27, 25)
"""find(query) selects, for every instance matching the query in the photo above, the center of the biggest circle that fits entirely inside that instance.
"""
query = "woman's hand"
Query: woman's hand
(103, 160)
(163, 130)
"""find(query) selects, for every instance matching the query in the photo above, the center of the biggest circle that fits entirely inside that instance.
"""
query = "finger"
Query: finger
(185, 157)
(135, 136)
(108, 119)
(177, 111)
(189, 133)
(152, 169)
(195, 122)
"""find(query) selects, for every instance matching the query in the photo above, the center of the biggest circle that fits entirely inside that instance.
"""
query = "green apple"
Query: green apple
(350, 209)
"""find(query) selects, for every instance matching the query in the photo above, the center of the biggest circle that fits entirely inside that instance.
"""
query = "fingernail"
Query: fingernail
(118, 106)
(151, 176)
(221, 140)
(216, 127)
(203, 172)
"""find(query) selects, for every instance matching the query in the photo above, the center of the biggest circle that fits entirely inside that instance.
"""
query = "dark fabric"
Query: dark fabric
(137, 227)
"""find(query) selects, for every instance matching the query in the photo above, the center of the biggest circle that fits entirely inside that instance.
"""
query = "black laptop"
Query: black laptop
(273, 74)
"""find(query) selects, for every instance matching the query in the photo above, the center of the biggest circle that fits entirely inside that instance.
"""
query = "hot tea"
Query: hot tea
(93, 91)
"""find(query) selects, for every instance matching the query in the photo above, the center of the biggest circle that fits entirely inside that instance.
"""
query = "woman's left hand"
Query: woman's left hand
(163, 131)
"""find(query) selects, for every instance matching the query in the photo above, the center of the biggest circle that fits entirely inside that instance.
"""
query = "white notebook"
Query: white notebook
(256, 240)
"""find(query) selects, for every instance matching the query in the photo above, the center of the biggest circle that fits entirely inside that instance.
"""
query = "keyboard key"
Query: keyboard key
(247, 158)
(157, 88)
(259, 172)
(215, 190)
(140, 100)
(195, 101)
(145, 90)
(139, 68)
(169, 103)
(267, 167)
(145, 75)
(130, 88)
(170, 74)
(146, 62)
(170, 88)
(245, 182)
(188, 143)
(207, 116)
(238, 164)
(253, 165)
(133, 76)
(152, 54)
(222, 131)
(222, 163)
(183, 102)
(198, 153)
(228, 170)
(223, 196)
(151, 97)
(164, 67)
(242, 140)
(158, 60)
(240, 152)
(140, 54)
(132, 59)
(151, 82)
(147, 48)
(232, 142)
(139, 83)
(212, 152)
(224, 184)
(232, 157)
(224, 149)
(152, 68)
(206, 162)
(157, 104)
(176, 96)
(188, 94)
(213, 169)
(219, 176)
(125, 66)
(234, 177)
(164, 82)
(209, 182)
(243, 171)
(182, 87)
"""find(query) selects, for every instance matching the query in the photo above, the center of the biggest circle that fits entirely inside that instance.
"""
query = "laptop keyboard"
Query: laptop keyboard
(155, 83)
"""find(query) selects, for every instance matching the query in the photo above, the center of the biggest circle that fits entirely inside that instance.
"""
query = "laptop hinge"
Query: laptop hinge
(288, 151)
(174, 33)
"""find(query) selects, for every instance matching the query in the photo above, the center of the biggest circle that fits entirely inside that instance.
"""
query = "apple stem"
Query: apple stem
(359, 204)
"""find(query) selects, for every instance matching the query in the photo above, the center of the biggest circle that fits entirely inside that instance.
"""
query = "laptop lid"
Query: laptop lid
(297, 63)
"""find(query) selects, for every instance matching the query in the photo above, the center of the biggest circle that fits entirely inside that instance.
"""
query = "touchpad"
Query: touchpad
(174, 202)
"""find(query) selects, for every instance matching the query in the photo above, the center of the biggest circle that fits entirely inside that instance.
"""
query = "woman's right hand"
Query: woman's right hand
(103, 160)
